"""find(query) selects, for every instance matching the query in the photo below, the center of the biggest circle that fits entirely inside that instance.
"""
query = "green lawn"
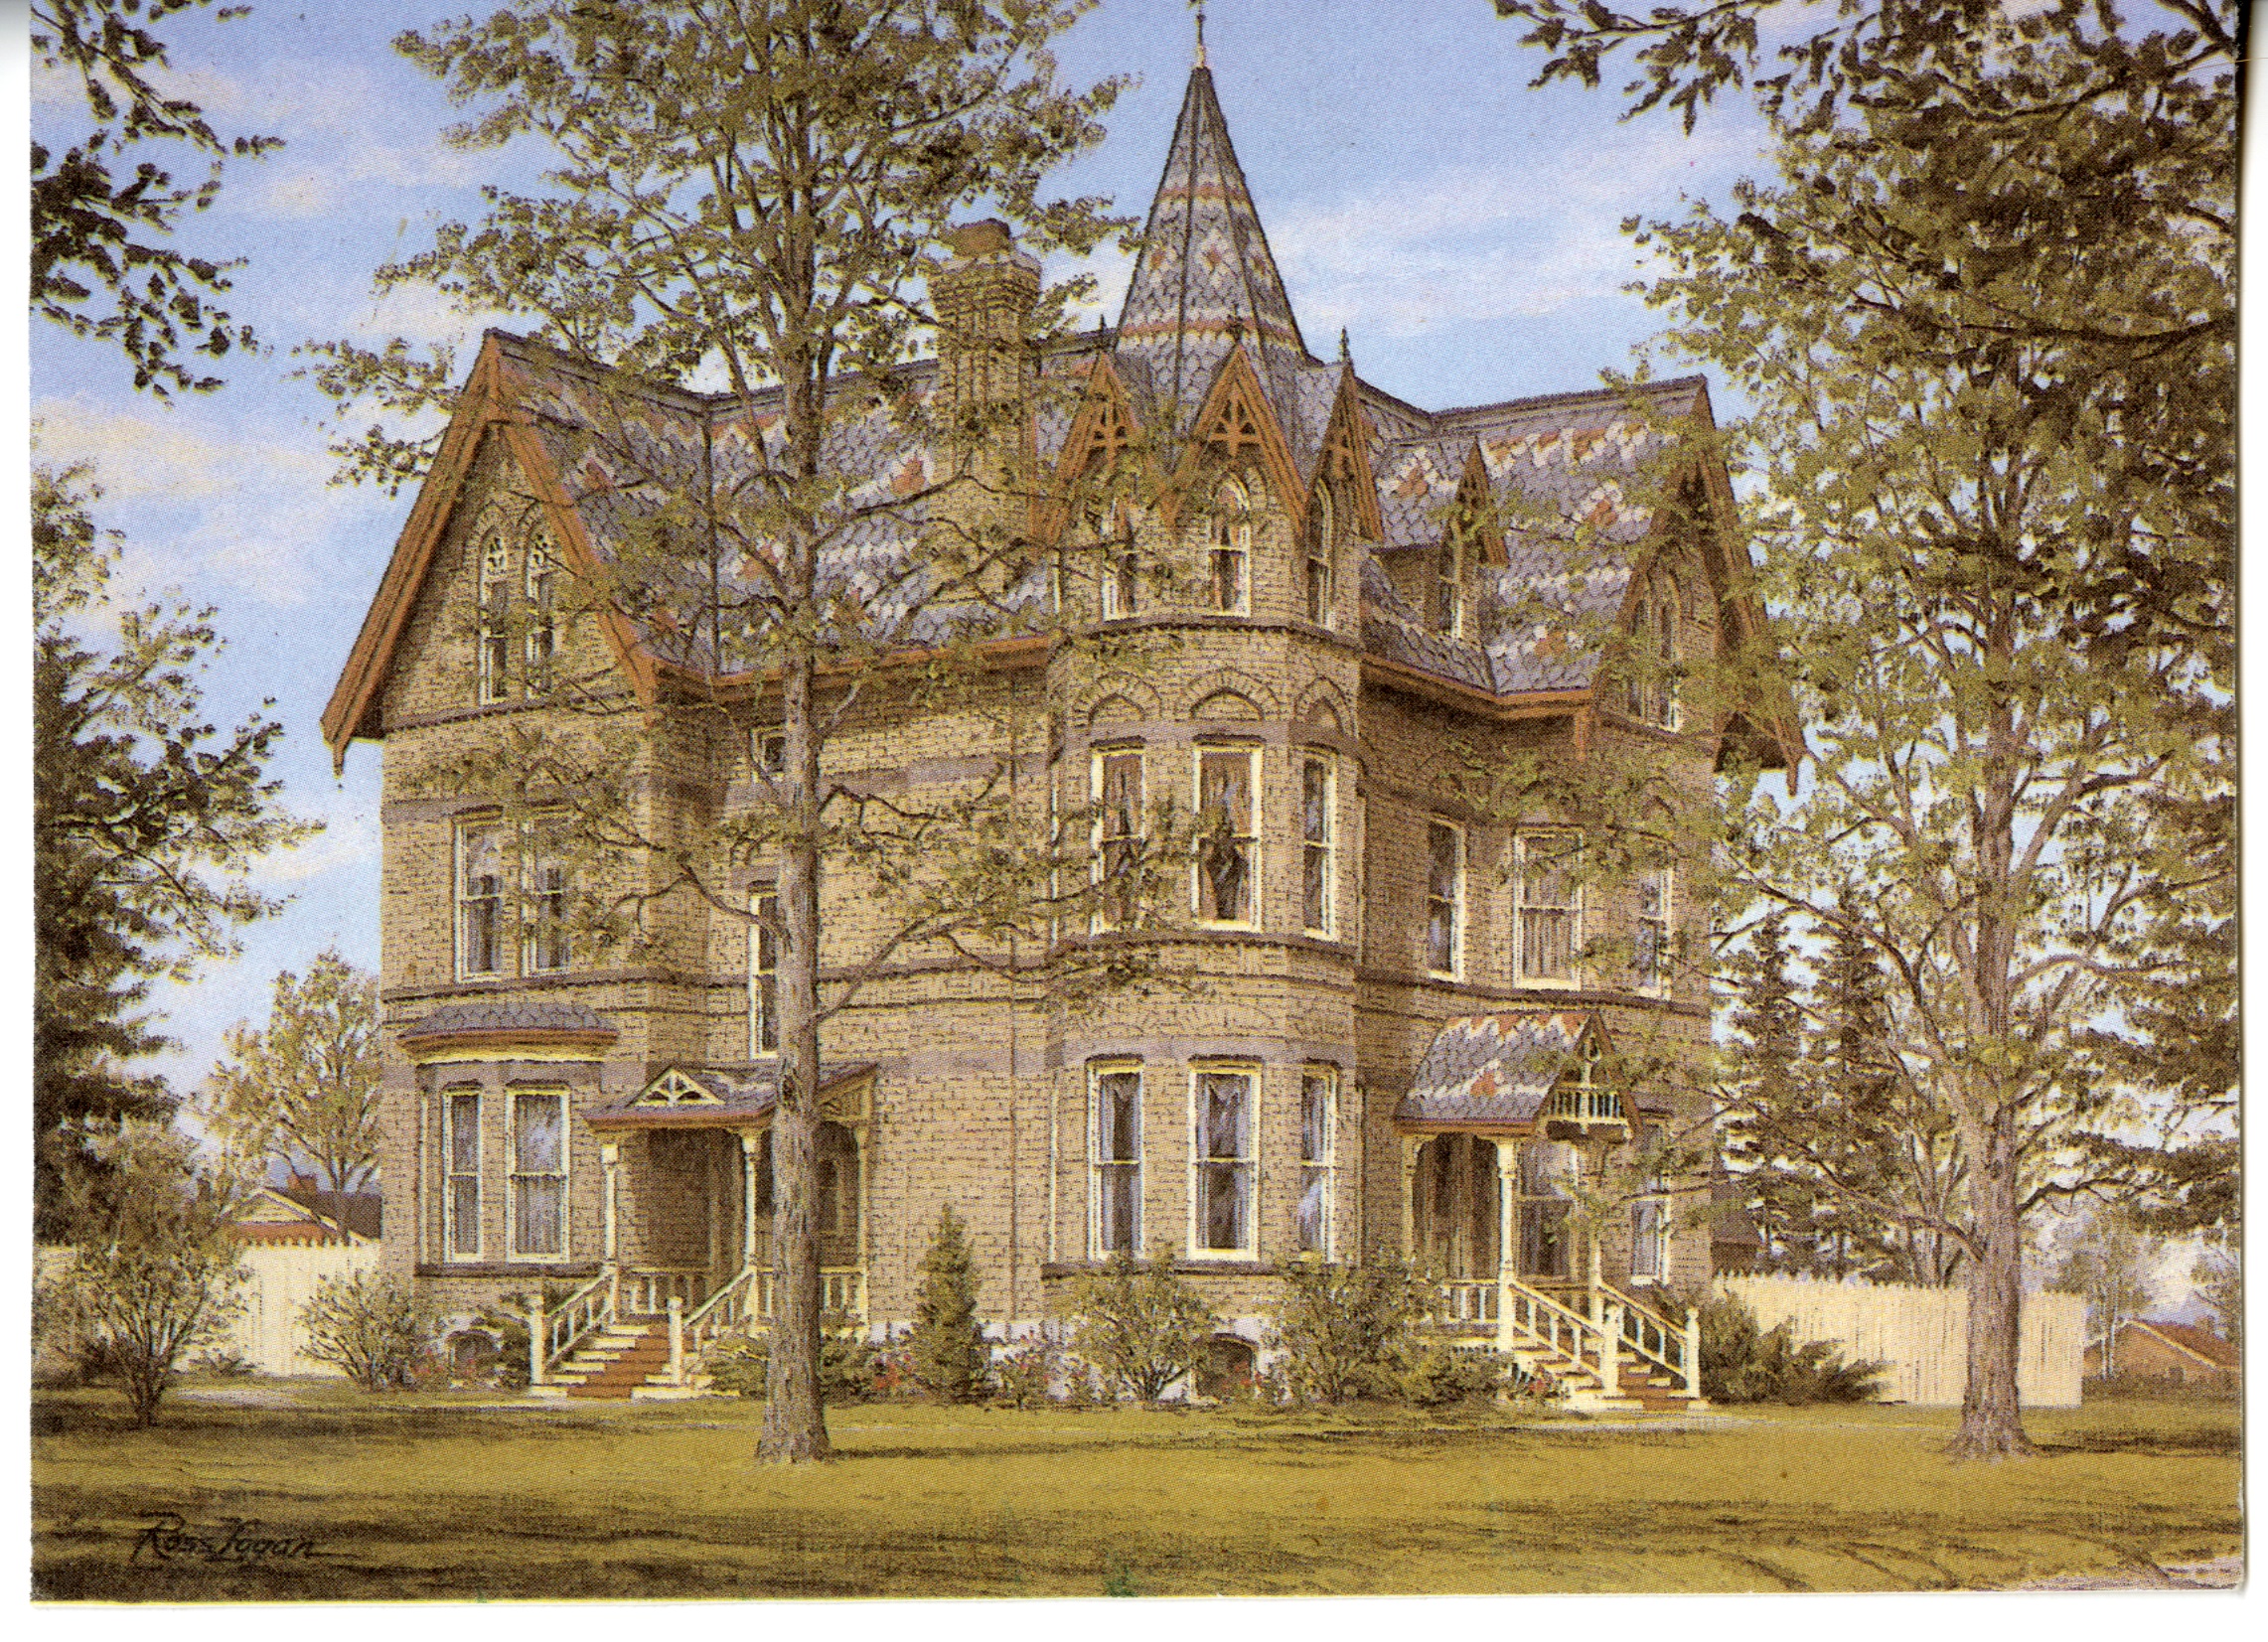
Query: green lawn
(420, 1497)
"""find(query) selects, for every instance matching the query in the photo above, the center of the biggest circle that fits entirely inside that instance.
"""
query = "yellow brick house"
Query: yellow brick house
(1395, 1014)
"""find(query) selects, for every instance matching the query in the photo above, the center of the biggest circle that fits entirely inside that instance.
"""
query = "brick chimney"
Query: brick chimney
(983, 300)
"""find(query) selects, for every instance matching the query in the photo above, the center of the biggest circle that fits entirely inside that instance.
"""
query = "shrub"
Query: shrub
(366, 1328)
(1140, 1326)
(1346, 1331)
(1027, 1370)
(946, 1350)
(740, 1365)
(1741, 1362)
(1440, 1375)
(226, 1365)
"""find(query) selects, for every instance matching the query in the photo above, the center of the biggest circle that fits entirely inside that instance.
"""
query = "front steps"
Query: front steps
(620, 1361)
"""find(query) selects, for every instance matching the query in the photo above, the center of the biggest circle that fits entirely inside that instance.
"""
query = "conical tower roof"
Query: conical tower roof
(1204, 277)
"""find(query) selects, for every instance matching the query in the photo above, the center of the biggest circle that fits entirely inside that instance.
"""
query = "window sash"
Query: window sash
(764, 978)
(1221, 1162)
(461, 1174)
(1116, 786)
(1230, 561)
(480, 900)
(492, 650)
(1549, 908)
(542, 641)
(1652, 935)
(1444, 898)
(1227, 879)
(1322, 534)
(1317, 844)
(1311, 1217)
(538, 1175)
(1115, 1162)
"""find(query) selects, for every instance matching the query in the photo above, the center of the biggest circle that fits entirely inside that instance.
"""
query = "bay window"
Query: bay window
(1227, 889)
(1319, 1124)
(1221, 1161)
(1319, 844)
(538, 1175)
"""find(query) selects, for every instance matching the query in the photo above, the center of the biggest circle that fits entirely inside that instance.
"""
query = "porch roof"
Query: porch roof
(696, 1095)
(1499, 1069)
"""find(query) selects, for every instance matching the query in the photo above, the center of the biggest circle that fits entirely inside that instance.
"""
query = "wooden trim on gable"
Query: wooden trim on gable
(1104, 424)
(1237, 399)
(1343, 455)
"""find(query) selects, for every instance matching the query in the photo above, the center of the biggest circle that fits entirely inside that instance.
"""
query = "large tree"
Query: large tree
(755, 195)
(145, 820)
(1985, 314)
(304, 1088)
(101, 266)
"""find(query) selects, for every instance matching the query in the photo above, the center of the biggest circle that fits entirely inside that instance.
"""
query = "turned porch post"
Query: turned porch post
(748, 1142)
(535, 1338)
(610, 1159)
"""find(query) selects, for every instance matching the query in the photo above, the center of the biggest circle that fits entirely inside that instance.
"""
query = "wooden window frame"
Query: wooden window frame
(1245, 841)
(452, 1217)
(1455, 901)
(1318, 1165)
(515, 1174)
(1098, 1162)
(1242, 1169)
(1107, 916)
(1320, 847)
(1523, 909)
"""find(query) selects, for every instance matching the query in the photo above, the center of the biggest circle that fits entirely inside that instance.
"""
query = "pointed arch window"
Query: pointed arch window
(1322, 551)
(1122, 571)
(492, 647)
(1229, 563)
(543, 643)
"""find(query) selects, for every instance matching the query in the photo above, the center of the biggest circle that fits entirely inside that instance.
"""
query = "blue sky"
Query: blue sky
(1463, 229)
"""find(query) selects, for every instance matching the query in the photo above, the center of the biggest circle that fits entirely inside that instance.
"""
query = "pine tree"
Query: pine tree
(1763, 1092)
(951, 1360)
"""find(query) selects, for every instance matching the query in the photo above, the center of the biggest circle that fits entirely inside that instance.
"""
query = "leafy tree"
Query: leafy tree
(99, 267)
(947, 1348)
(367, 1328)
(1140, 1326)
(305, 1089)
(2110, 1263)
(144, 822)
(154, 1268)
(1985, 314)
(1346, 1331)
(2219, 1278)
(758, 195)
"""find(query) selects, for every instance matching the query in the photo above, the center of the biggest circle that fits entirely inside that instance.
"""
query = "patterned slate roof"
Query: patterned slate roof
(1492, 1069)
(510, 1014)
(733, 1091)
(1204, 276)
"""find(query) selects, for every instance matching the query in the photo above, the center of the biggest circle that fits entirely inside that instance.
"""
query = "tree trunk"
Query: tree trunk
(795, 1420)
(1991, 1425)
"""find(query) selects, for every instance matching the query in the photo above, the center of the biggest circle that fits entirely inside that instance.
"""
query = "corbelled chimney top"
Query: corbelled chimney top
(989, 237)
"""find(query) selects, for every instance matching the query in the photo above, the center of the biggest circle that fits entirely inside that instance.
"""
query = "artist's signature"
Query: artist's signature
(169, 1537)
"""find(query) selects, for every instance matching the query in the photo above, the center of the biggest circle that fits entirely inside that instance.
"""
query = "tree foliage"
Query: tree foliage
(153, 1269)
(1140, 1325)
(756, 198)
(1346, 1331)
(305, 1089)
(99, 267)
(2112, 1265)
(946, 1348)
(366, 1328)
(145, 821)
(1986, 313)
(1744, 1362)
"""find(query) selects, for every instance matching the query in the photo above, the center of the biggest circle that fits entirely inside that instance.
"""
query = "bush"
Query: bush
(1027, 1373)
(226, 1365)
(1440, 1375)
(366, 1328)
(740, 1365)
(1140, 1326)
(1741, 1362)
(1346, 1331)
(946, 1352)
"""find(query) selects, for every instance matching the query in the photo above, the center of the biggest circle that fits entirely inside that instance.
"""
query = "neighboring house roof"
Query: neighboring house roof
(2189, 1339)
(360, 1213)
(694, 1095)
(1498, 1067)
(273, 1215)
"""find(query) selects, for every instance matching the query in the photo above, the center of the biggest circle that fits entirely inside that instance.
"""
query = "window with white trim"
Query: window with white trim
(1323, 548)
(1114, 1161)
(1665, 684)
(1311, 1217)
(1318, 843)
(1227, 877)
(1221, 1109)
(491, 643)
(1649, 1213)
(484, 859)
(538, 1175)
(550, 947)
(1228, 575)
(1651, 933)
(1121, 821)
(1549, 1173)
(1449, 585)
(764, 975)
(543, 643)
(1444, 898)
(1547, 909)
(461, 1173)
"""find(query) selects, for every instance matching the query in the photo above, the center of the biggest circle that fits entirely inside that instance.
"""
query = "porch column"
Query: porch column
(748, 1142)
(1410, 1145)
(610, 1159)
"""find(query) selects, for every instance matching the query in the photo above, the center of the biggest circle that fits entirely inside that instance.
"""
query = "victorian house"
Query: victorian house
(1406, 1010)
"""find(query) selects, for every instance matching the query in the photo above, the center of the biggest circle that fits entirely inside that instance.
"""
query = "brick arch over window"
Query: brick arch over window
(1234, 681)
(1323, 705)
(1226, 706)
(1111, 697)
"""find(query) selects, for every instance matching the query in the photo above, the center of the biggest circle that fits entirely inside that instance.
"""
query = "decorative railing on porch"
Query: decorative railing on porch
(841, 1294)
(725, 1312)
(552, 1336)
(1671, 1347)
(1585, 1106)
(647, 1291)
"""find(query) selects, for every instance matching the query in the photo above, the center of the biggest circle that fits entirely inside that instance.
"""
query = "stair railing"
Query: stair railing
(553, 1338)
(725, 1312)
(1528, 1317)
(1649, 1335)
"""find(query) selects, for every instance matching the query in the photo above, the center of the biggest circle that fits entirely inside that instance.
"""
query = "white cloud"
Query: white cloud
(345, 842)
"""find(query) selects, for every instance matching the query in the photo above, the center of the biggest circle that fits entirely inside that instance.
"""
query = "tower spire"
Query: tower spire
(1200, 63)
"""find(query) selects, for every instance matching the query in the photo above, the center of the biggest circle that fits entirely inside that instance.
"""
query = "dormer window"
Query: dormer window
(1322, 542)
(1230, 561)
(492, 647)
(1449, 587)
(543, 620)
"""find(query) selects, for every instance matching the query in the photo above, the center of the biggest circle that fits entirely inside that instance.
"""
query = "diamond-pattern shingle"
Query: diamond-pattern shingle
(1492, 1069)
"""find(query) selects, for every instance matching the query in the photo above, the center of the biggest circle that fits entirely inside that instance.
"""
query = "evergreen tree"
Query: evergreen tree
(1761, 1090)
(947, 1348)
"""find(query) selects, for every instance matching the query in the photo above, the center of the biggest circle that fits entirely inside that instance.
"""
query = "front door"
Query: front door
(1455, 1207)
(1545, 1176)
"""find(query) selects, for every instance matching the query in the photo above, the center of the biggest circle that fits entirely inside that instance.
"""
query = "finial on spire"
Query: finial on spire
(1200, 37)
(1345, 357)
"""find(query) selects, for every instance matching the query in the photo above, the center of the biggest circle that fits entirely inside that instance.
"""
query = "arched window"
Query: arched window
(1449, 585)
(1665, 683)
(1322, 551)
(1230, 577)
(1120, 570)
(491, 647)
(543, 618)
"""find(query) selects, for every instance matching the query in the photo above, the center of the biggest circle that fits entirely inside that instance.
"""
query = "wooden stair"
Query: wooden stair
(615, 1363)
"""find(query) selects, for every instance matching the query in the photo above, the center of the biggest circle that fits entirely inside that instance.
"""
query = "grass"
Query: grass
(427, 1496)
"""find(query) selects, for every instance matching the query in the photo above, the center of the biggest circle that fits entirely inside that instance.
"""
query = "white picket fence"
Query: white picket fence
(284, 1277)
(1923, 1335)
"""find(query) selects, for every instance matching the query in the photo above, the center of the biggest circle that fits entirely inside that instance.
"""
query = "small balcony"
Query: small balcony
(1581, 1113)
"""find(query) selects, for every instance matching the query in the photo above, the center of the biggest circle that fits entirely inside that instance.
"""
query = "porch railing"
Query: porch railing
(841, 1292)
(1585, 1106)
(1672, 1347)
(552, 1336)
(1468, 1301)
(647, 1291)
(725, 1312)
(1534, 1320)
